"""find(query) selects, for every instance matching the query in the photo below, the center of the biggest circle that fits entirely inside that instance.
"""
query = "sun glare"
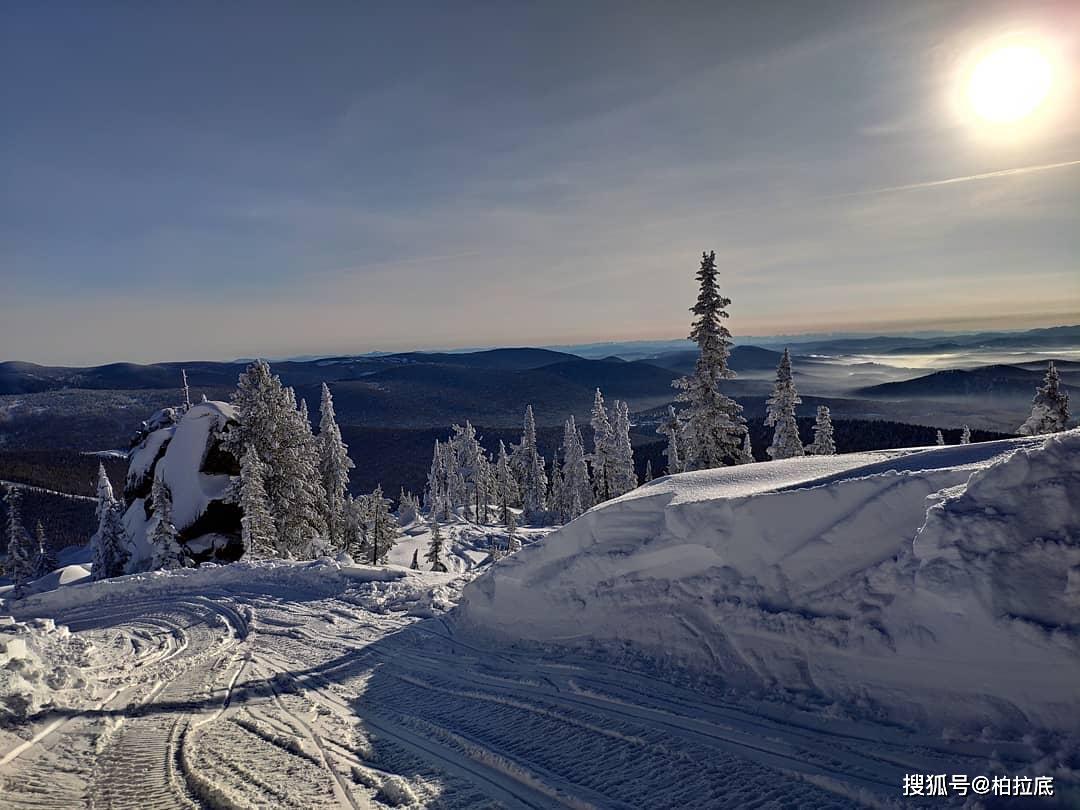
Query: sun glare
(1009, 84)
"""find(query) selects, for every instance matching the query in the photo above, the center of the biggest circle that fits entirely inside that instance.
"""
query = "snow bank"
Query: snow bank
(31, 676)
(829, 578)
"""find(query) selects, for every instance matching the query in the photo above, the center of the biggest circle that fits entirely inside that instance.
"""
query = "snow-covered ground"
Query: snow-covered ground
(725, 639)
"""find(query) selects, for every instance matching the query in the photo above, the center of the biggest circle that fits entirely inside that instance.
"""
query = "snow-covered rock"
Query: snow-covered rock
(185, 452)
(938, 587)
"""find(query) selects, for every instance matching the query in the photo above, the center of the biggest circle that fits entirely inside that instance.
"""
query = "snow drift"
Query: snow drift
(938, 587)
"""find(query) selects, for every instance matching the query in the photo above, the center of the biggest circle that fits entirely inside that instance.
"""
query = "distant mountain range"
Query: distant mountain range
(1050, 338)
(1018, 381)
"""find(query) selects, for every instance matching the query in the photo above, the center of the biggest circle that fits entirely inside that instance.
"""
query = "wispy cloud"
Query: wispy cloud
(1043, 167)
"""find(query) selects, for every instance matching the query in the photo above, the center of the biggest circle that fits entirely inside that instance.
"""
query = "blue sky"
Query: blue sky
(212, 180)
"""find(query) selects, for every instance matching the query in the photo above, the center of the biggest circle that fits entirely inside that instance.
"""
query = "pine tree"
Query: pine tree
(824, 444)
(603, 442)
(747, 449)
(672, 429)
(303, 523)
(257, 524)
(533, 477)
(781, 413)
(334, 465)
(713, 425)
(940, 440)
(621, 475)
(382, 529)
(513, 542)
(577, 490)
(415, 564)
(965, 435)
(436, 497)
(505, 485)
(1049, 408)
(109, 543)
(44, 558)
(20, 547)
(556, 493)
(648, 471)
(163, 537)
(435, 549)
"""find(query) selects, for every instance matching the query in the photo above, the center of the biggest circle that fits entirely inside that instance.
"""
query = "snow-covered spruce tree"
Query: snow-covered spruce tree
(648, 471)
(382, 530)
(44, 559)
(334, 466)
(940, 440)
(415, 564)
(436, 494)
(435, 549)
(269, 418)
(671, 427)
(185, 391)
(621, 475)
(577, 491)
(602, 447)
(506, 494)
(780, 413)
(747, 449)
(257, 524)
(824, 444)
(1049, 408)
(556, 495)
(109, 543)
(513, 541)
(713, 425)
(965, 435)
(533, 476)
(408, 508)
(163, 537)
(468, 475)
(485, 487)
(20, 546)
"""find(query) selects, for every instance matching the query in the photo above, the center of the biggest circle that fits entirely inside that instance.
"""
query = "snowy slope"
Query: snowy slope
(827, 579)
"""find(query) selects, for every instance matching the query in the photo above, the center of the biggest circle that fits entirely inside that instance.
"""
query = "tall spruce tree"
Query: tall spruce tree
(1049, 408)
(505, 486)
(824, 444)
(965, 435)
(109, 543)
(602, 447)
(713, 425)
(780, 413)
(382, 529)
(621, 474)
(577, 491)
(435, 549)
(167, 553)
(334, 465)
(513, 540)
(532, 476)
(44, 558)
(671, 428)
(257, 525)
(20, 546)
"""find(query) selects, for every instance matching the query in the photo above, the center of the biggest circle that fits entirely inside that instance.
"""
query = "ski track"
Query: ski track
(273, 698)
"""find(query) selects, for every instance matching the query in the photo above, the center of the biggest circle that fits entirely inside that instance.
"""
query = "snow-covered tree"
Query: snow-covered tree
(185, 390)
(506, 494)
(965, 435)
(44, 559)
(556, 496)
(780, 413)
(20, 547)
(513, 542)
(435, 549)
(408, 508)
(1049, 408)
(269, 419)
(577, 491)
(713, 425)
(824, 444)
(163, 537)
(109, 543)
(257, 524)
(381, 529)
(436, 495)
(671, 427)
(532, 476)
(940, 440)
(334, 465)
(648, 471)
(620, 465)
(747, 449)
(602, 447)
(415, 564)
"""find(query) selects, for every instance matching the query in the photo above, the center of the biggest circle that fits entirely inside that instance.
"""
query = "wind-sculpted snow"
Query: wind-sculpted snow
(816, 578)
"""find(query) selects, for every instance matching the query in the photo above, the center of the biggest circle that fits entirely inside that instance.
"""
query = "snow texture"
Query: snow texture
(935, 587)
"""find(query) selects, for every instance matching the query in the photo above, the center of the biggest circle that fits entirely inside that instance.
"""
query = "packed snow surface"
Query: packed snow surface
(939, 587)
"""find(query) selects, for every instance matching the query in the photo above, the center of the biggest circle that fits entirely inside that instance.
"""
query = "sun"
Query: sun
(1009, 84)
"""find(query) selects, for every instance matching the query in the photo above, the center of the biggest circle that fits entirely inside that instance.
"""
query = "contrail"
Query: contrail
(968, 178)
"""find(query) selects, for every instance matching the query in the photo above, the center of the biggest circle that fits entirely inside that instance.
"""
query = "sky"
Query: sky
(212, 180)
